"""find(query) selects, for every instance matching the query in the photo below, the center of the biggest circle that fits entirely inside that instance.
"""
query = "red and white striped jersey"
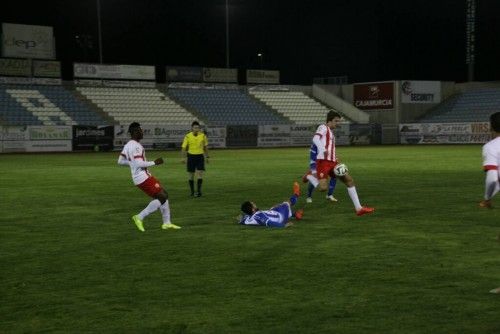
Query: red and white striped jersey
(325, 141)
(134, 152)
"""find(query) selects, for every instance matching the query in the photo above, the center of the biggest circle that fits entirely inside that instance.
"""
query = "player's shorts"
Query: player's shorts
(324, 169)
(284, 209)
(195, 162)
(151, 186)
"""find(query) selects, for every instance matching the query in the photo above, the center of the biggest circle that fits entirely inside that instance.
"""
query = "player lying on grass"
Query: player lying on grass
(311, 177)
(133, 155)
(278, 216)
(491, 162)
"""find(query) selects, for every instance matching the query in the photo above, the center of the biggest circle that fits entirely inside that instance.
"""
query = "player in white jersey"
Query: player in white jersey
(133, 155)
(491, 162)
(326, 160)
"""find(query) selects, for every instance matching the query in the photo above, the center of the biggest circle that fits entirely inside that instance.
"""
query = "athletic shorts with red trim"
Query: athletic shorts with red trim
(151, 186)
(324, 169)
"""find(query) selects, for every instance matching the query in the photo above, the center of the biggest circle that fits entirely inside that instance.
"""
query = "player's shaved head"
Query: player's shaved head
(134, 126)
(495, 122)
(135, 131)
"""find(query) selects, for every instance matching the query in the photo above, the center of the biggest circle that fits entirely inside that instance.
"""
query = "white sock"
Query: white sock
(491, 184)
(152, 207)
(354, 197)
(165, 212)
(314, 181)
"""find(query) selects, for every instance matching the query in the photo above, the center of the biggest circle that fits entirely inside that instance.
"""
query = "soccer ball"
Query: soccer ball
(340, 170)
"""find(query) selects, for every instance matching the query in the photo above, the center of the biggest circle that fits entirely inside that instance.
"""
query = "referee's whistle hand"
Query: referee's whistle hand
(159, 161)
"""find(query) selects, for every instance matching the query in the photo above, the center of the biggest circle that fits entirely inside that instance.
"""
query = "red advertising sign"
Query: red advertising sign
(375, 95)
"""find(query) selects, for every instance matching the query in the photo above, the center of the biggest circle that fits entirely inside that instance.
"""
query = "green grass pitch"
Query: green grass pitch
(72, 261)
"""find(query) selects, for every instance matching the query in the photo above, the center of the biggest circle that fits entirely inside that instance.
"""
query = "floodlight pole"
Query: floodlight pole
(470, 38)
(227, 34)
(99, 30)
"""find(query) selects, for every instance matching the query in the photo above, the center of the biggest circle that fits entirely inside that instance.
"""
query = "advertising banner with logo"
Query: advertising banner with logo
(242, 135)
(274, 136)
(420, 91)
(92, 138)
(263, 77)
(56, 132)
(216, 136)
(30, 81)
(155, 136)
(374, 95)
(212, 74)
(301, 135)
(36, 138)
(48, 146)
(27, 41)
(365, 134)
(14, 138)
(130, 72)
(444, 133)
(15, 67)
(122, 83)
(184, 74)
(47, 68)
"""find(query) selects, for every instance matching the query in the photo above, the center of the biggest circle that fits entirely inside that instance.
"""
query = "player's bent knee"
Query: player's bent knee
(162, 197)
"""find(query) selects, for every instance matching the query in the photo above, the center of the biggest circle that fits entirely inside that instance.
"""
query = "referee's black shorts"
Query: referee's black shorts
(195, 162)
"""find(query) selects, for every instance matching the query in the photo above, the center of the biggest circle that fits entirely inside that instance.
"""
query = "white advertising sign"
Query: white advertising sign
(130, 72)
(420, 92)
(49, 146)
(444, 133)
(263, 77)
(301, 135)
(13, 66)
(15, 133)
(47, 68)
(155, 136)
(216, 136)
(274, 136)
(50, 132)
(27, 41)
(211, 74)
(30, 81)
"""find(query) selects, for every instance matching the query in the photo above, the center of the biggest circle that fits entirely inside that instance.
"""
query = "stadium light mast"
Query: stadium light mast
(470, 38)
(99, 30)
(227, 33)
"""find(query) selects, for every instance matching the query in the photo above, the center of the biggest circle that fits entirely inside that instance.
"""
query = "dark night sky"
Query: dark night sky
(365, 40)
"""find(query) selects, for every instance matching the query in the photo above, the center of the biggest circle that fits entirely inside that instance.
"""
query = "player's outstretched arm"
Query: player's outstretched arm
(122, 161)
(138, 163)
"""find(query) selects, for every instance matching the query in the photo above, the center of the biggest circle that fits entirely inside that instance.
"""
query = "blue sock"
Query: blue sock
(310, 189)
(331, 186)
(293, 199)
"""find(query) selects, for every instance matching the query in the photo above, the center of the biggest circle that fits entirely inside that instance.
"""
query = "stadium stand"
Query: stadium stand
(43, 105)
(226, 106)
(296, 106)
(472, 106)
(144, 105)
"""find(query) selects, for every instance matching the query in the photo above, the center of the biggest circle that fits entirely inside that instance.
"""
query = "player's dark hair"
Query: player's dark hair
(247, 207)
(331, 115)
(195, 123)
(134, 126)
(495, 122)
